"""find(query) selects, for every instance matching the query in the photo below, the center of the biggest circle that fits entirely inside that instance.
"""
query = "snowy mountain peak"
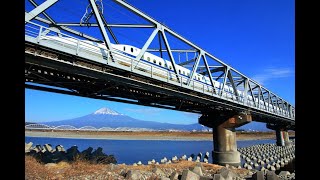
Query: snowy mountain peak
(106, 111)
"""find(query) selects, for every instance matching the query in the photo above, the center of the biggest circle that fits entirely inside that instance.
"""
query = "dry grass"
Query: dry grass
(61, 170)
(84, 170)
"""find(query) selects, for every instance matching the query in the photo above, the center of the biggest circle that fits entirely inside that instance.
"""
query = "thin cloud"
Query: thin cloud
(273, 73)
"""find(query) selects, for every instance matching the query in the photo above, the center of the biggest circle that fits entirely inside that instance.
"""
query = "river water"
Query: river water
(132, 151)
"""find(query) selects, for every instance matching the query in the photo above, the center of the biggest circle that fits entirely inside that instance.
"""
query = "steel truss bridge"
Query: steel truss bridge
(65, 65)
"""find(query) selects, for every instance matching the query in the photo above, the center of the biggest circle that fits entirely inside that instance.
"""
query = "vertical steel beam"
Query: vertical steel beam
(147, 44)
(209, 73)
(245, 93)
(170, 53)
(160, 44)
(101, 25)
(195, 67)
(36, 11)
(233, 85)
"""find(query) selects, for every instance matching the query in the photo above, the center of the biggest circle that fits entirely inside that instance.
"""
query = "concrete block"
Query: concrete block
(189, 175)
(271, 175)
(218, 177)
(258, 176)
(197, 170)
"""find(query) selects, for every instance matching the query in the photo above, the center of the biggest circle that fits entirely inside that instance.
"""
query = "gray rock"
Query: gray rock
(60, 148)
(27, 147)
(158, 172)
(189, 175)
(174, 176)
(205, 178)
(197, 170)
(228, 174)
(271, 175)
(284, 173)
(258, 176)
(218, 177)
(48, 147)
(134, 175)
(134, 164)
(164, 178)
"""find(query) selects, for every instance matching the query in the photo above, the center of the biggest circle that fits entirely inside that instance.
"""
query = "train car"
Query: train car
(150, 63)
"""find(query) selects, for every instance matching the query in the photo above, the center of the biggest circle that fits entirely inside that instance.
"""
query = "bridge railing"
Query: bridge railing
(44, 35)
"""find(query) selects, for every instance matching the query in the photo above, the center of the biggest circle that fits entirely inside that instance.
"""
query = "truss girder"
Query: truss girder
(250, 86)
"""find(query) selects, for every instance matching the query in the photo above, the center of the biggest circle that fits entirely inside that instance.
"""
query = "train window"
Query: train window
(154, 61)
(188, 74)
(165, 65)
(160, 63)
(142, 57)
(170, 67)
(131, 49)
(124, 48)
(148, 58)
(199, 78)
(179, 71)
(184, 73)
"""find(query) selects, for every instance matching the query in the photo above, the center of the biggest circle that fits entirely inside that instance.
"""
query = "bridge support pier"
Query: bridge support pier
(279, 137)
(282, 135)
(224, 136)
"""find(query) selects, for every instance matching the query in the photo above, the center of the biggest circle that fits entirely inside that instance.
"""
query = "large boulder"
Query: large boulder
(189, 175)
(133, 175)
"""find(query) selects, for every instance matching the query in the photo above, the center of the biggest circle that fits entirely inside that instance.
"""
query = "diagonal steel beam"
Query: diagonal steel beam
(210, 76)
(170, 53)
(36, 11)
(253, 98)
(224, 80)
(219, 76)
(233, 85)
(147, 44)
(45, 14)
(195, 67)
(109, 29)
(101, 25)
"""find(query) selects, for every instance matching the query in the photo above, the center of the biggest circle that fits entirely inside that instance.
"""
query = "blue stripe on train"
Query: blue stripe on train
(167, 69)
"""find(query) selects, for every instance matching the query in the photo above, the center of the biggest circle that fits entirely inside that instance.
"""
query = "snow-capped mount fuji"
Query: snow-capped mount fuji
(105, 110)
(105, 117)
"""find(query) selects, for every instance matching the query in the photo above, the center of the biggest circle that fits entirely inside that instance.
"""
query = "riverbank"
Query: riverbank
(161, 135)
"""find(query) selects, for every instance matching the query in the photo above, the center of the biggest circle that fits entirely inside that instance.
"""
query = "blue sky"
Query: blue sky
(255, 37)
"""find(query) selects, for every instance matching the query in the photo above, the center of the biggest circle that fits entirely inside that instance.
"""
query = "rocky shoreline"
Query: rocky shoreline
(264, 161)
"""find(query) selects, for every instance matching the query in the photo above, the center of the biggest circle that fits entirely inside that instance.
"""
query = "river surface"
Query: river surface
(132, 151)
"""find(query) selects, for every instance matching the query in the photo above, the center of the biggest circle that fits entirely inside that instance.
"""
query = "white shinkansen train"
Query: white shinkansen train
(125, 53)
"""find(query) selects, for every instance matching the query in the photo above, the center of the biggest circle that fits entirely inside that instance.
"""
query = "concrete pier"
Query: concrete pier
(282, 135)
(224, 136)
(280, 138)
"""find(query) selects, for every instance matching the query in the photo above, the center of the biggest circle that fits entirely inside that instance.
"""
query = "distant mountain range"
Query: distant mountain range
(109, 118)
(106, 117)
